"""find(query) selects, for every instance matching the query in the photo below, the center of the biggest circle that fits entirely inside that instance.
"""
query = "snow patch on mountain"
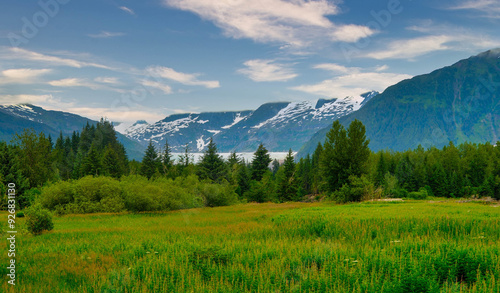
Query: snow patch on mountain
(237, 119)
(215, 132)
(24, 111)
(290, 112)
(201, 144)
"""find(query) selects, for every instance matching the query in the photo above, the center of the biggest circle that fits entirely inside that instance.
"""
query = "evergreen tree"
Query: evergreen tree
(260, 163)
(34, 156)
(304, 174)
(286, 181)
(382, 169)
(358, 151)
(167, 161)
(150, 161)
(212, 165)
(333, 162)
(276, 166)
(111, 163)
(92, 162)
(233, 159)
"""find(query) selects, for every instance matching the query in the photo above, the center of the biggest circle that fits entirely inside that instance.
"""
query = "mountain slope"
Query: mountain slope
(15, 118)
(457, 103)
(279, 126)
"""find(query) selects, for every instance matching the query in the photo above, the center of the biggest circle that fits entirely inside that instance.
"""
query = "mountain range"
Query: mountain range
(279, 126)
(15, 118)
(457, 103)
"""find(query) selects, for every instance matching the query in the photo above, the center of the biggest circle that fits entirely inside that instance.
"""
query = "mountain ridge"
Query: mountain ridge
(458, 103)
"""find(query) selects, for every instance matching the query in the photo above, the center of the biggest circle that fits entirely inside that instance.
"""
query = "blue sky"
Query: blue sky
(129, 60)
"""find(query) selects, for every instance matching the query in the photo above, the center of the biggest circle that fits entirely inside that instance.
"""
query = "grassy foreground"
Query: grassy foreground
(413, 246)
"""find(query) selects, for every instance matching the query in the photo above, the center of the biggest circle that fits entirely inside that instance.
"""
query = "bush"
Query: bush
(218, 195)
(420, 194)
(20, 215)
(357, 189)
(38, 219)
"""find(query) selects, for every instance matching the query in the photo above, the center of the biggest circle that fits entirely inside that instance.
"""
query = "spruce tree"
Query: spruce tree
(92, 162)
(382, 169)
(286, 181)
(260, 163)
(212, 165)
(150, 161)
(167, 161)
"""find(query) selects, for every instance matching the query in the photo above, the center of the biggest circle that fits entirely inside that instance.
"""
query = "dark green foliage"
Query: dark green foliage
(166, 160)
(33, 153)
(345, 153)
(260, 163)
(212, 166)
(38, 219)
(263, 190)
(355, 190)
(150, 161)
(286, 179)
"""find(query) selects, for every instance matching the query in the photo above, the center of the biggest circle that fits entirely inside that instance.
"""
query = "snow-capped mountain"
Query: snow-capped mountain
(279, 126)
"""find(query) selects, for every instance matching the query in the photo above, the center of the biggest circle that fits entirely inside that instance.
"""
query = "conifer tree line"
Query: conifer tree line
(341, 168)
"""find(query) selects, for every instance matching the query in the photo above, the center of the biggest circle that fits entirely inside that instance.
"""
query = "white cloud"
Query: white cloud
(71, 82)
(118, 115)
(83, 82)
(336, 68)
(352, 84)
(296, 22)
(408, 49)
(488, 8)
(166, 89)
(351, 33)
(105, 34)
(22, 75)
(26, 55)
(267, 70)
(27, 99)
(184, 78)
(107, 80)
(127, 10)
(381, 68)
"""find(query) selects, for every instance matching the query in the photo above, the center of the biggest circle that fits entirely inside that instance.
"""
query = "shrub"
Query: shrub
(420, 194)
(59, 194)
(218, 195)
(20, 215)
(38, 219)
(357, 189)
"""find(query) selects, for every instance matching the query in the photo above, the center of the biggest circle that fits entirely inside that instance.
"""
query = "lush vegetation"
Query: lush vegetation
(411, 246)
(89, 173)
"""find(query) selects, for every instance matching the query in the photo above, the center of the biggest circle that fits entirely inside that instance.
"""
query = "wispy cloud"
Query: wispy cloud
(409, 49)
(106, 34)
(166, 89)
(298, 23)
(22, 75)
(127, 10)
(107, 80)
(26, 55)
(183, 78)
(267, 70)
(352, 84)
(336, 68)
(28, 99)
(83, 82)
(488, 8)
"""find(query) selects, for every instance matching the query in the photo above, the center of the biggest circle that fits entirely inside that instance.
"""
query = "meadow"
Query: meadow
(410, 246)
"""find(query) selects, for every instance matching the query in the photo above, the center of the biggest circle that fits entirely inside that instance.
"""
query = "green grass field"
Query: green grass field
(412, 246)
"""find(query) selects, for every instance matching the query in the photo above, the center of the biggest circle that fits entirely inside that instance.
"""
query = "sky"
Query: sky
(129, 60)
